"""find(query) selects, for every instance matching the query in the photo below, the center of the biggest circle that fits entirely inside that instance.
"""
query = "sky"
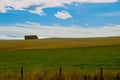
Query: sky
(59, 18)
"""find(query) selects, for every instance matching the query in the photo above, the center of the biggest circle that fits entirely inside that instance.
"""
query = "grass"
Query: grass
(80, 59)
(37, 75)
(52, 43)
(71, 59)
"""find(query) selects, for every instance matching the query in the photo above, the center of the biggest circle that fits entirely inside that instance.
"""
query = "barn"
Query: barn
(28, 37)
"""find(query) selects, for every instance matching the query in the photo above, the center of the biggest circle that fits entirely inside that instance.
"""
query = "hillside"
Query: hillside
(87, 54)
(51, 43)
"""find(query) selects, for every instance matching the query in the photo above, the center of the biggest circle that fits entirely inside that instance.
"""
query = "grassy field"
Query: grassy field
(73, 55)
(52, 43)
(71, 59)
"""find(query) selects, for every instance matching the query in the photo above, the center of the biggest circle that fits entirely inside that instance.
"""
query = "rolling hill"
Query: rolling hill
(52, 43)
(71, 53)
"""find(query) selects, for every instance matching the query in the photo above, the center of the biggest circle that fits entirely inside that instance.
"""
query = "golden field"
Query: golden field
(51, 43)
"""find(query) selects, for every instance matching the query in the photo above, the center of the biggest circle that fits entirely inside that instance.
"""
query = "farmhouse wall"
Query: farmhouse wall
(27, 37)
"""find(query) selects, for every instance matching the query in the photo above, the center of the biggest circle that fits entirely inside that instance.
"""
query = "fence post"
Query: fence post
(85, 77)
(118, 77)
(21, 73)
(95, 77)
(60, 77)
(101, 74)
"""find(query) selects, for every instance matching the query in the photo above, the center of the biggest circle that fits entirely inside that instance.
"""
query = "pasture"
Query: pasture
(80, 59)
(71, 59)
(53, 43)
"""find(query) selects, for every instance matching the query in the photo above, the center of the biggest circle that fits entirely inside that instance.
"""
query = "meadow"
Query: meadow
(53, 43)
(71, 59)
(79, 58)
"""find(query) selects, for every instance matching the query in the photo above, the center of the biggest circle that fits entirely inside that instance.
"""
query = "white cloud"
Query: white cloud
(2, 9)
(18, 31)
(37, 11)
(41, 4)
(9, 37)
(62, 15)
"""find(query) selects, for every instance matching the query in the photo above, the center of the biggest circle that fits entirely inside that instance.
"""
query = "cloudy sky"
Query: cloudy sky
(59, 18)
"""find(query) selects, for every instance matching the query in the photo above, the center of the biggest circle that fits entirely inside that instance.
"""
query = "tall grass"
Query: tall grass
(38, 75)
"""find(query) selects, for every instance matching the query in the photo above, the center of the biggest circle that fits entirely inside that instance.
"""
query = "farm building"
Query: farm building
(28, 37)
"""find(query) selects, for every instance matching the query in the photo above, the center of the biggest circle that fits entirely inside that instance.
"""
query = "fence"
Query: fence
(62, 76)
(100, 77)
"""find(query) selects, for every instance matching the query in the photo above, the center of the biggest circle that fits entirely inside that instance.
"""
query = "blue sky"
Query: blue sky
(65, 18)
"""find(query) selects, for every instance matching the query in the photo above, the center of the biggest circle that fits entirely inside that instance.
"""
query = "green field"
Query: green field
(71, 59)
(86, 58)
